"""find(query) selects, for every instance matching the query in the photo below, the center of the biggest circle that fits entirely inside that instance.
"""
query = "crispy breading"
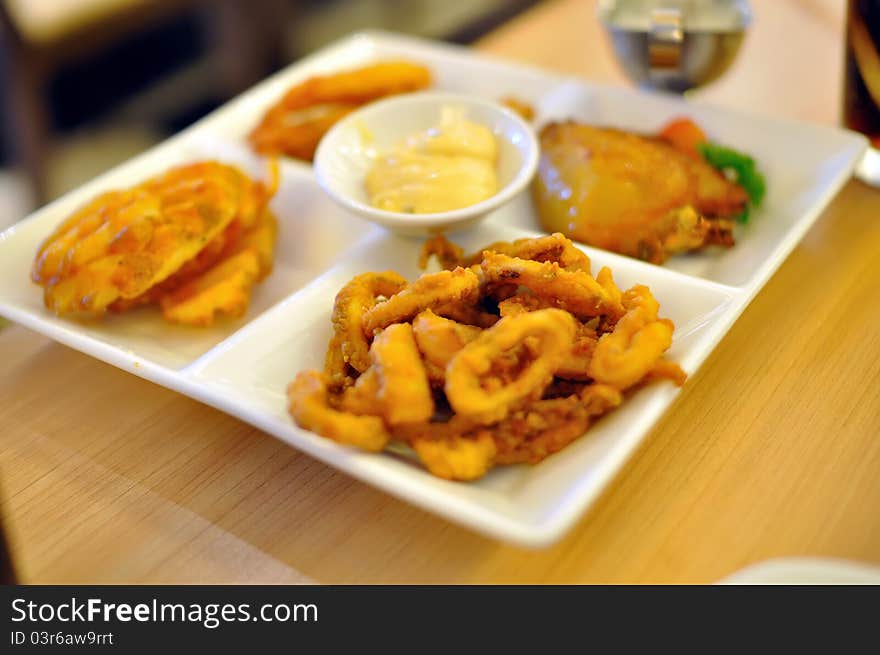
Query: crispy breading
(296, 123)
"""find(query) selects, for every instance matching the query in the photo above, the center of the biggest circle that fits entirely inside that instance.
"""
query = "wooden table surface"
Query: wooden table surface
(772, 449)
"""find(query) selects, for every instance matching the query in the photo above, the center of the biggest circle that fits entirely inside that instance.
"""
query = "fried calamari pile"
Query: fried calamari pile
(639, 196)
(505, 356)
(294, 126)
(193, 241)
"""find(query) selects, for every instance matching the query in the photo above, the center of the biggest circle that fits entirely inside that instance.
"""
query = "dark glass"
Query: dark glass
(7, 573)
(861, 92)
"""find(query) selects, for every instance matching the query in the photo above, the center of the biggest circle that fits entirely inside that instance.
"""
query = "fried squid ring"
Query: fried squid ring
(641, 296)
(439, 339)
(531, 434)
(349, 345)
(308, 404)
(404, 393)
(478, 386)
(626, 355)
(547, 426)
(448, 254)
(606, 281)
(363, 397)
(599, 399)
(551, 248)
(457, 457)
(520, 303)
(574, 291)
(577, 364)
(663, 369)
(430, 291)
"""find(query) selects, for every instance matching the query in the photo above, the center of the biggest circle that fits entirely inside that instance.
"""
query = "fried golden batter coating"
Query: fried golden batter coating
(539, 430)
(574, 291)
(448, 254)
(634, 195)
(626, 355)
(349, 346)
(404, 392)
(225, 289)
(551, 248)
(505, 362)
(663, 369)
(133, 247)
(309, 405)
(508, 364)
(430, 291)
(295, 124)
(457, 457)
(439, 339)
(363, 396)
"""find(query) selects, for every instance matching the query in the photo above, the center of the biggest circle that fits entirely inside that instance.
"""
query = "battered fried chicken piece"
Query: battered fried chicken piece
(430, 291)
(295, 125)
(309, 405)
(634, 195)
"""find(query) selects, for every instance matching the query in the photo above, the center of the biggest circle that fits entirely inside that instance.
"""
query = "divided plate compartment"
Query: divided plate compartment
(314, 234)
(242, 367)
(248, 373)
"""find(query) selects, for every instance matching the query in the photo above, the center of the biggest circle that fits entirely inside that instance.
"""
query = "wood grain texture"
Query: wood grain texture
(771, 450)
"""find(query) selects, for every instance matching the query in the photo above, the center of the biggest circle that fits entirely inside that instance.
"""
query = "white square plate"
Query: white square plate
(243, 367)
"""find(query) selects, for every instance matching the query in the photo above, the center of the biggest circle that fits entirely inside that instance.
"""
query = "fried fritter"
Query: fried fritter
(142, 245)
(295, 125)
(224, 289)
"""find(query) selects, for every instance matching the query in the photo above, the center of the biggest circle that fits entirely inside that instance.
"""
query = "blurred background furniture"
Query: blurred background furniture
(44, 40)
(90, 83)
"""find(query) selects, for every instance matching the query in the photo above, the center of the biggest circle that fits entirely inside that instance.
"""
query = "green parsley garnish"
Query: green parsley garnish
(741, 169)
